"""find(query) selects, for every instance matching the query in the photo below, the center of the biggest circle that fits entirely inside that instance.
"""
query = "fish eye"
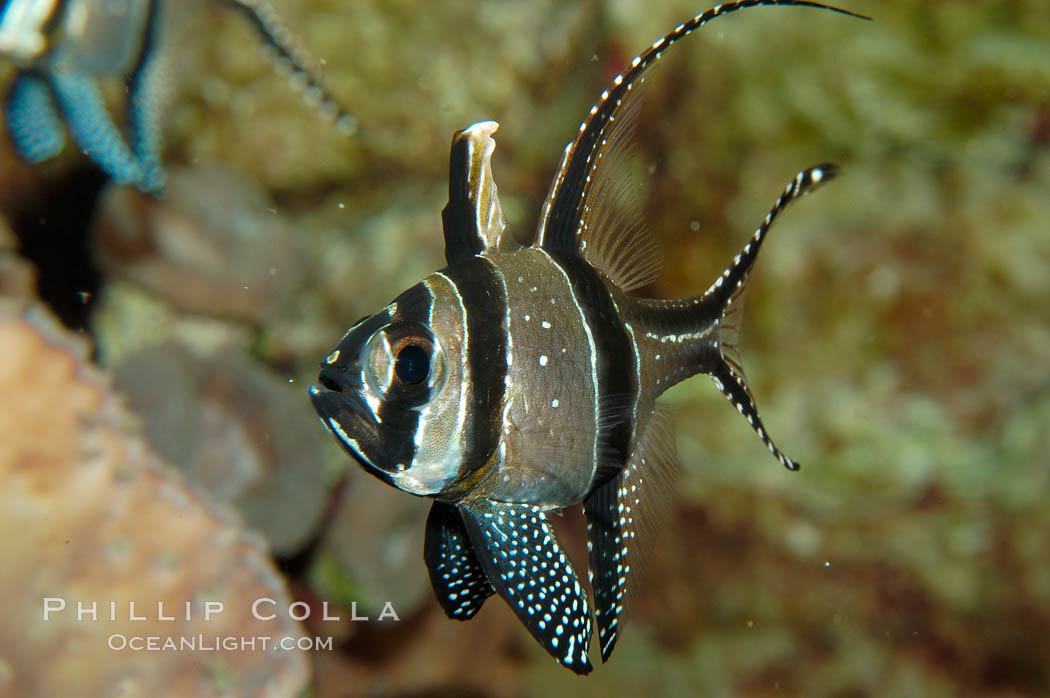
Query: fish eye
(412, 365)
(403, 361)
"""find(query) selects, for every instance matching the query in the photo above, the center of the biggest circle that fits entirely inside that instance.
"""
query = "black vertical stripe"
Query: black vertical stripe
(459, 217)
(484, 296)
(399, 421)
(617, 389)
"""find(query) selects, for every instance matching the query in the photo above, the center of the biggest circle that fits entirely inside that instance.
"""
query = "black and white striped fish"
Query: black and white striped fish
(520, 380)
(61, 48)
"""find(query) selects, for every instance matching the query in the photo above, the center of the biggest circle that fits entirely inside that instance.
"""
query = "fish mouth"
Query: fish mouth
(350, 420)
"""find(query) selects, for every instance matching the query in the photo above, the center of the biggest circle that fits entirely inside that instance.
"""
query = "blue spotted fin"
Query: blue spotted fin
(92, 128)
(623, 516)
(32, 120)
(144, 108)
(525, 563)
(457, 577)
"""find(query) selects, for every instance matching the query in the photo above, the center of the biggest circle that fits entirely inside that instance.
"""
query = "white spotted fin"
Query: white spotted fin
(623, 516)
(289, 56)
(613, 236)
(528, 567)
(457, 577)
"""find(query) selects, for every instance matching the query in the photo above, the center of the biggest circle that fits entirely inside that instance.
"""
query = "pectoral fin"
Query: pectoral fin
(455, 573)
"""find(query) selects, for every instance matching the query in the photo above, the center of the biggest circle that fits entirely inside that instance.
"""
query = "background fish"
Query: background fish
(63, 47)
(520, 380)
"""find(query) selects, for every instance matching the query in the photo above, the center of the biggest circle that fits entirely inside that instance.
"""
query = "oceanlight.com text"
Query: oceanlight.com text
(215, 643)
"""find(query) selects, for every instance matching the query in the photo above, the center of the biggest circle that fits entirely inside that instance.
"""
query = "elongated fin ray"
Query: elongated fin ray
(623, 516)
(726, 292)
(33, 120)
(304, 77)
(564, 212)
(473, 218)
(525, 563)
(459, 581)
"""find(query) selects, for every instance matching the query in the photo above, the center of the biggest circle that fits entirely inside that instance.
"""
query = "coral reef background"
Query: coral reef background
(896, 337)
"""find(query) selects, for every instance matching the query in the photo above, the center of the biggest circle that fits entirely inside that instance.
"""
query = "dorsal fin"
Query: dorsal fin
(614, 237)
(583, 206)
(473, 218)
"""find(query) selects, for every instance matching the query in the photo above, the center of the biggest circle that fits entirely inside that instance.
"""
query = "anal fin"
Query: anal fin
(622, 518)
(459, 581)
(528, 567)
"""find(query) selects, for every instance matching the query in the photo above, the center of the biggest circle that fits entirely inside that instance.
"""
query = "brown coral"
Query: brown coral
(91, 515)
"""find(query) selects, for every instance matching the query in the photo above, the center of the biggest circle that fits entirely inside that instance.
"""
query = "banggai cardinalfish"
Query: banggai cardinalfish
(520, 380)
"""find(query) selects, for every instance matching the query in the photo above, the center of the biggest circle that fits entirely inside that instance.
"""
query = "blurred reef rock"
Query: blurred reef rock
(92, 514)
(214, 246)
(240, 435)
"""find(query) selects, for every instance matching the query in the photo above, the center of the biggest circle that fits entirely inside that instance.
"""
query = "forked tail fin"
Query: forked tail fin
(680, 338)
(727, 293)
(734, 279)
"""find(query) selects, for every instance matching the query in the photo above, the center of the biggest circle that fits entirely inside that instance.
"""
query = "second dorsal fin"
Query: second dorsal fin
(591, 207)
(613, 237)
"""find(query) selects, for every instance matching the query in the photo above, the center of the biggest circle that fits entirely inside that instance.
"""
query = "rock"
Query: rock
(17, 276)
(213, 246)
(92, 515)
(239, 433)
